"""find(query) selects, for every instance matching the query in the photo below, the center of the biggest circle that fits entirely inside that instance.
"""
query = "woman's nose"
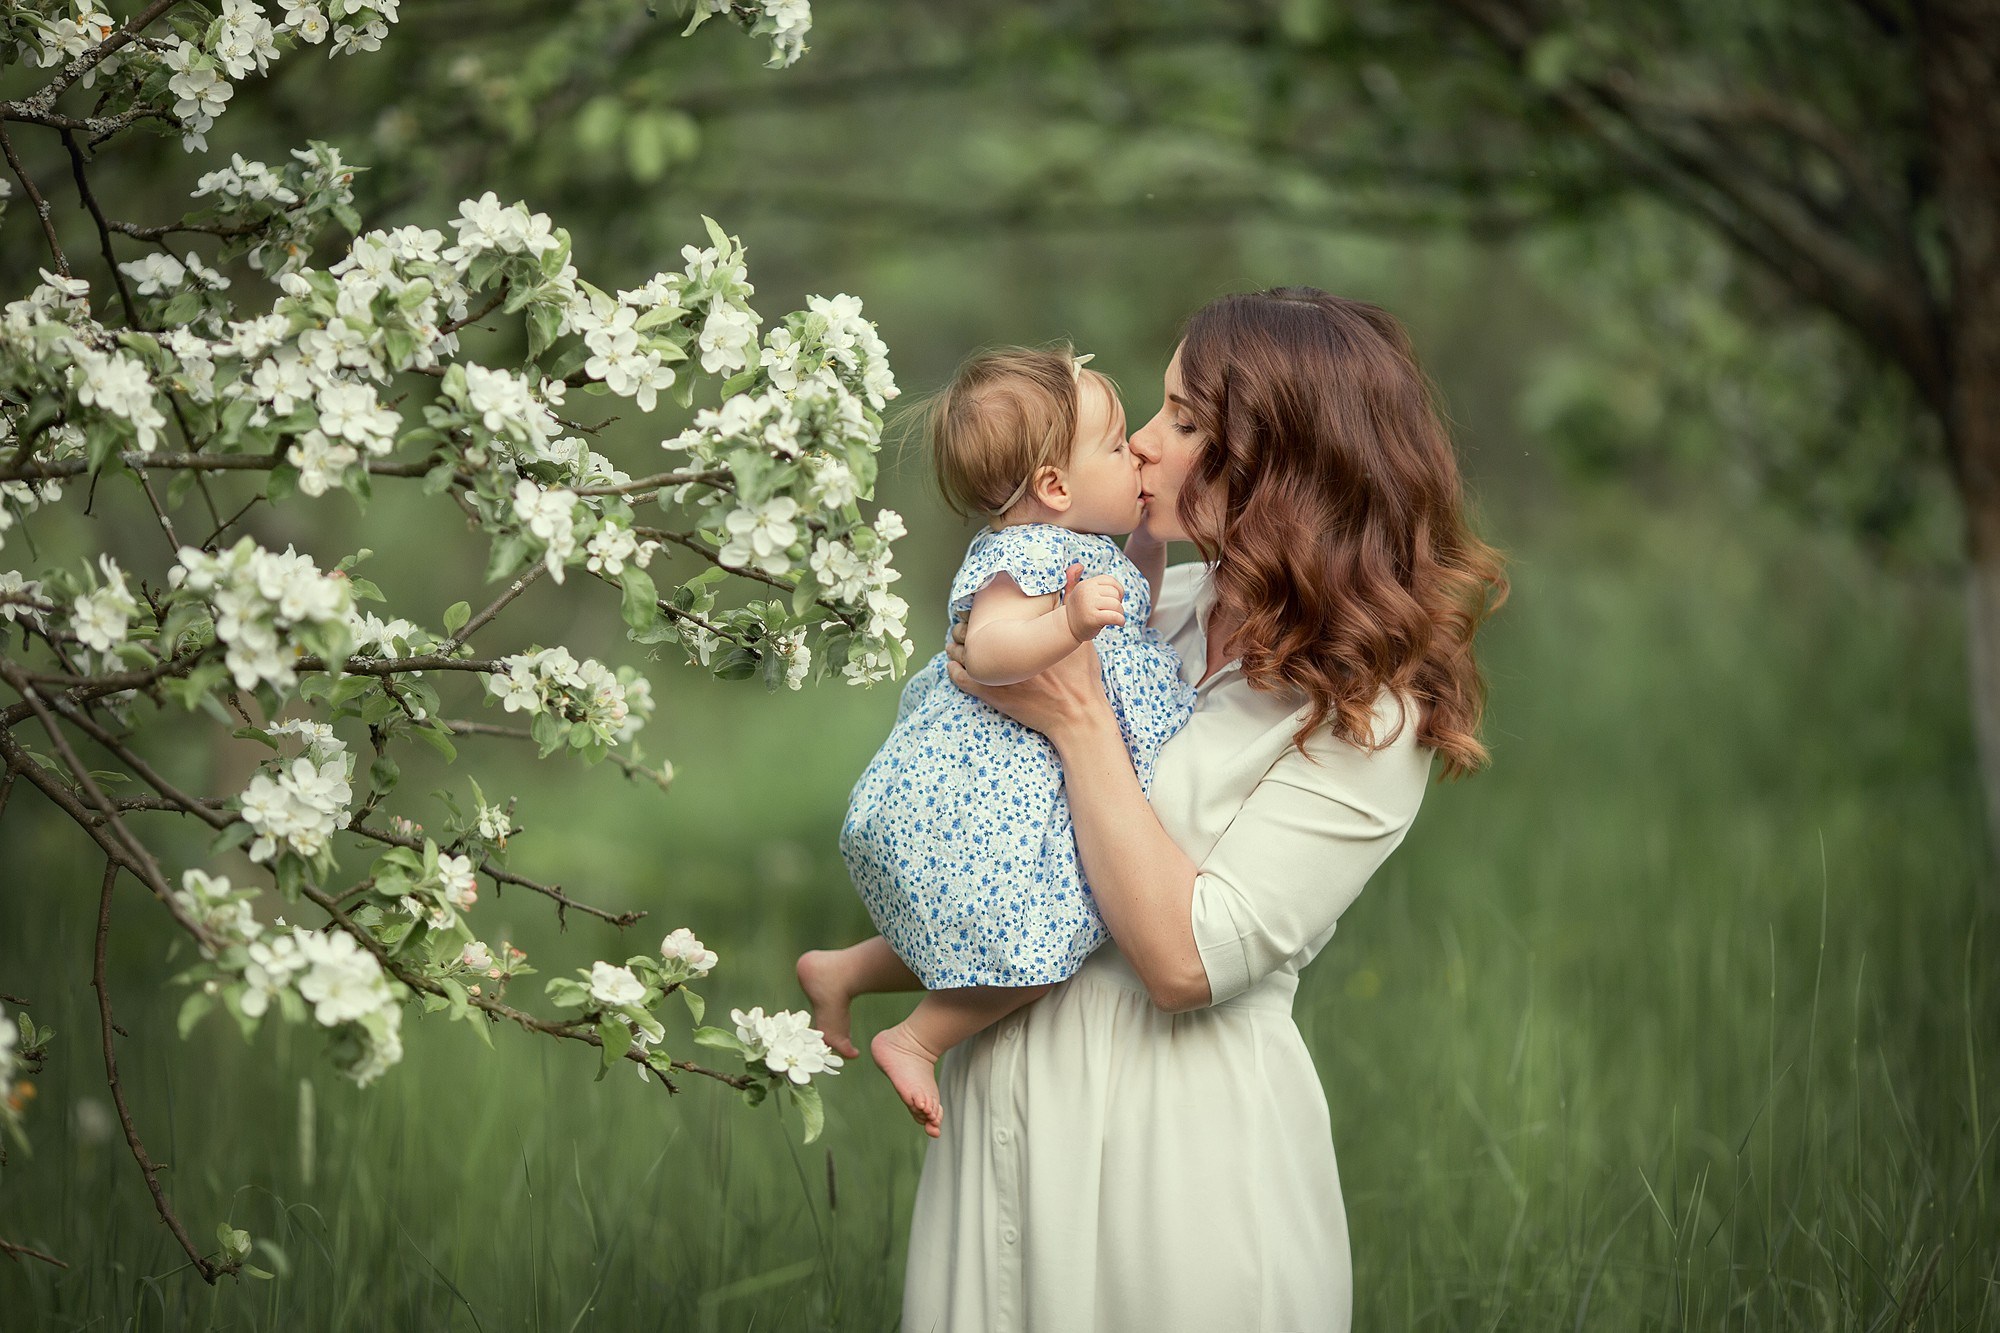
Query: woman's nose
(1144, 449)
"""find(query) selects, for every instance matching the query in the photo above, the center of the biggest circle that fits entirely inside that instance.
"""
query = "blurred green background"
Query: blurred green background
(1682, 1016)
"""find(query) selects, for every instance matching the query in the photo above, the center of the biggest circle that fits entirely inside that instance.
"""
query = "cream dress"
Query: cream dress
(1106, 1166)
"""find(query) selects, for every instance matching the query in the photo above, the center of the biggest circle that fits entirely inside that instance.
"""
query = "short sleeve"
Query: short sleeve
(1036, 556)
(1306, 840)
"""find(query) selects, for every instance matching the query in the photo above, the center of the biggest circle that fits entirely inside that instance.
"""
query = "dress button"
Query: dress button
(1001, 1137)
(1010, 1235)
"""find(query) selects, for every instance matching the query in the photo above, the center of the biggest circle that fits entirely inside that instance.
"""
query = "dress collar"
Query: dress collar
(1204, 602)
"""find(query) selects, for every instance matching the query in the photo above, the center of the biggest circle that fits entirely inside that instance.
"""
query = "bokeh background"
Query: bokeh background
(1681, 1016)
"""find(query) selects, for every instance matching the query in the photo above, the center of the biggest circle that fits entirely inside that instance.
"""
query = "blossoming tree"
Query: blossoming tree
(354, 375)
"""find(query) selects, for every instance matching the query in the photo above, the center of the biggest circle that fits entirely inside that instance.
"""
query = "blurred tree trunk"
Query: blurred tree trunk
(1959, 42)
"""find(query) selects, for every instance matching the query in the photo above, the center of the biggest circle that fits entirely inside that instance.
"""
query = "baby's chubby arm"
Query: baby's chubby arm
(1010, 636)
(1149, 555)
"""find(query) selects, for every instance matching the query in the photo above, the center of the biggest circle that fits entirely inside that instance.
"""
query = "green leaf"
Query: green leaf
(193, 1009)
(811, 1110)
(617, 1039)
(641, 597)
(456, 615)
(737, 664)
(721, 1040)
(438, 739)
(696, 1005)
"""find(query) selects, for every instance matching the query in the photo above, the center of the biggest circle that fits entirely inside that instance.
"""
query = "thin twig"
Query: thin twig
(499, 876)
(119, 842)
(76, 165)
(631, 768)
(478, 622)
(35, 198)
(659, 481)
(499, 295)
(9, 1247)
(151, 1170)
(216, 819)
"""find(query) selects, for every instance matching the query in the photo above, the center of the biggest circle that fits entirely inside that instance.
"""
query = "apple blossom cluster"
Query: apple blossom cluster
(273, 216)
(785, 22)
(205, 390)
(596, 703)
(297, 805)
(265, 603)
(196, 72)
(786, 1043)
(328, 974)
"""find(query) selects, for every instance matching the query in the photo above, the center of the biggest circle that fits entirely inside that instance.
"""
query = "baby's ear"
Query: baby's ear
(1051, 487)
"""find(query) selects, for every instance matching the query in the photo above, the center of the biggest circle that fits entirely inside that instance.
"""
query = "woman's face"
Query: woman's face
(1167, 447)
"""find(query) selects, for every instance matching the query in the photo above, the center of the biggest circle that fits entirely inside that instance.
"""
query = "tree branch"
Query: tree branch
(568, 1029)
(1887, 303)
(41, 103)
(118, 841)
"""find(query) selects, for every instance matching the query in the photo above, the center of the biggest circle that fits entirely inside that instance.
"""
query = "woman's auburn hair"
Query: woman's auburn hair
(1327, 496)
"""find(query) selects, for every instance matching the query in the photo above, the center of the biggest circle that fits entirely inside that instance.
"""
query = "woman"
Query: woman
(1147, 1147)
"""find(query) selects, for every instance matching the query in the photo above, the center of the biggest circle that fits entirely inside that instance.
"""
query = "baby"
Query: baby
(957, 835)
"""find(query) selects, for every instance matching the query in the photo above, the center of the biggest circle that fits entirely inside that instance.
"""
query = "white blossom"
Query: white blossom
(155, 273)
(786, 1043)
(299, 809)
(548, 515)
(101, 617)
(12, 586)
(761, 536)
(321, 462)
(351, 412)
(726, 339)
(615, 986)
(682, 948)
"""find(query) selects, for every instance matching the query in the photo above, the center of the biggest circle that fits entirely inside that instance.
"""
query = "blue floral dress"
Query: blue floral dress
(957, 834)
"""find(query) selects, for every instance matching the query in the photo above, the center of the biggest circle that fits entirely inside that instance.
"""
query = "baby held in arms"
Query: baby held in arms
(957, 835)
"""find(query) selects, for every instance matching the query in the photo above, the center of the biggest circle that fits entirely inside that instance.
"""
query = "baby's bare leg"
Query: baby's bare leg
(832, 978)
(909, 1052)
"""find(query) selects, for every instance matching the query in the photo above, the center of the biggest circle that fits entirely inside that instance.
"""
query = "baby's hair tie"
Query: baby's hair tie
(1077, 363)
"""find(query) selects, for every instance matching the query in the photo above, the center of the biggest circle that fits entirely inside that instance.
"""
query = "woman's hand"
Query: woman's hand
(1057, 702)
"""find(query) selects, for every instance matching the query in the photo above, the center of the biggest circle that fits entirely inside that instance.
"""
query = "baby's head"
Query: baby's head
(1027, 435)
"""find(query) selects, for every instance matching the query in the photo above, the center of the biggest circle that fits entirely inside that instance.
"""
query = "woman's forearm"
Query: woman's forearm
(1142, 881)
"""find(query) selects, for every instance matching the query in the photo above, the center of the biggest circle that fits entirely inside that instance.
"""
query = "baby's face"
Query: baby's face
(1103, 473)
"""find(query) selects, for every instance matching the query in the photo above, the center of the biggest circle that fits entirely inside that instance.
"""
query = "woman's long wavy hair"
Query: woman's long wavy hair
(1328, 496)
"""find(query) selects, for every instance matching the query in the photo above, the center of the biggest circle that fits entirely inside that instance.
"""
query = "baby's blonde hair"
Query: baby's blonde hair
(1006, 412)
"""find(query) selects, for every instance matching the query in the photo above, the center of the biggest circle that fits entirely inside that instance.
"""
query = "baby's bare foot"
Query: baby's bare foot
(825, 987)
(914, 1072)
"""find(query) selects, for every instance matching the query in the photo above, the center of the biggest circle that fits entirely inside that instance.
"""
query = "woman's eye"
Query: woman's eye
(1184, 427)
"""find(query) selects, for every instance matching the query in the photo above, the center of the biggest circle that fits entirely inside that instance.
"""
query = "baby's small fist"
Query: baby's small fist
(1094, 603)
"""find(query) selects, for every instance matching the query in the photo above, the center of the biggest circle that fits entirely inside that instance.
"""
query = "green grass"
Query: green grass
(1680, 1018)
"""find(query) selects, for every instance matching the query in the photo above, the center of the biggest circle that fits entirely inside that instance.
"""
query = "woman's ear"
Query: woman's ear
(1051, 488)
